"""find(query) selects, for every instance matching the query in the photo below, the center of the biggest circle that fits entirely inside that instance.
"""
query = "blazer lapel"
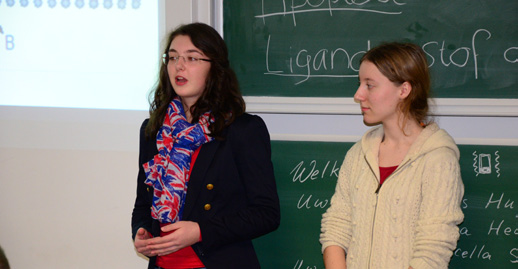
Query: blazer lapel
(198, 173)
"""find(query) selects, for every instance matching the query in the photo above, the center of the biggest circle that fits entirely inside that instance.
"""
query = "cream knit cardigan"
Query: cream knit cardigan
(412, 220)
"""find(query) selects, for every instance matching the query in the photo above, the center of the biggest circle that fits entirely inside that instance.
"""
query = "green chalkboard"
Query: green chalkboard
(312, 48)
(306, 174)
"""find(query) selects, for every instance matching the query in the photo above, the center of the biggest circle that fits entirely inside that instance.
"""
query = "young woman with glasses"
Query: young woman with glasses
(206, 186)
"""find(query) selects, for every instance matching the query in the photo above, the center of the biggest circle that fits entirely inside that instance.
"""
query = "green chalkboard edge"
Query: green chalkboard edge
(347, 106)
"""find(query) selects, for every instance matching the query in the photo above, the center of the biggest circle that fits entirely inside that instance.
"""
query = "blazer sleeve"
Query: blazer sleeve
(141, 216)
(250, 144)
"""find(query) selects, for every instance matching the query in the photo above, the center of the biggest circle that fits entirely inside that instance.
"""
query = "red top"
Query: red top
(385, 172)
(185, 257)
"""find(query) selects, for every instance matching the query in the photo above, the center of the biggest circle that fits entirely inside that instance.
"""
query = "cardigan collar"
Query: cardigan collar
(431, 138)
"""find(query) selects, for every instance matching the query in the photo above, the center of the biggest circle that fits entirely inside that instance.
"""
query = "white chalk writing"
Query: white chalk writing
(329, 6)
(313, 174)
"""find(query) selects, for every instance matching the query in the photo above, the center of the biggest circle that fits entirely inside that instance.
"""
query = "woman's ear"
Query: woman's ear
(404, 90)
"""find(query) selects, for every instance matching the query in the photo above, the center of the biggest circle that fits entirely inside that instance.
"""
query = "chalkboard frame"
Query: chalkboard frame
(347, 106)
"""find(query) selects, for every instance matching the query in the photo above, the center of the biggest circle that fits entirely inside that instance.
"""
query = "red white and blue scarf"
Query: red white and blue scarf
(168, 171)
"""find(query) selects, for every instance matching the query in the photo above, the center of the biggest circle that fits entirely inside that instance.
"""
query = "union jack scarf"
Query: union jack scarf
(168, 171)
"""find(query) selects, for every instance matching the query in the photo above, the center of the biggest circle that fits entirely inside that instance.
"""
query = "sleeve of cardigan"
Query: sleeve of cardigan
(437, 231)
(336, 225)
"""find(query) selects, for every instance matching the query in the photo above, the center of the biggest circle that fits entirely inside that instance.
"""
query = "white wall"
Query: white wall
(68, 180)
(68, 176)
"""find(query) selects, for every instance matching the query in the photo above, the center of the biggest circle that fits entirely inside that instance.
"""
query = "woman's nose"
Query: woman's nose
(179, 65)
(358, 96)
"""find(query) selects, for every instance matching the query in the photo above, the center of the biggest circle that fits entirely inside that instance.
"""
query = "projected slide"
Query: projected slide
(80, 54)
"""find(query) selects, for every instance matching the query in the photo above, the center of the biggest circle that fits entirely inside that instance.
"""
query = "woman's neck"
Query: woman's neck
(396, 142)
(398, 135)
(187, 111)
(401, 131)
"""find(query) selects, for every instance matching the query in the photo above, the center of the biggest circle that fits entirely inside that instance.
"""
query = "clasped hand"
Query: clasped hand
(183, 234)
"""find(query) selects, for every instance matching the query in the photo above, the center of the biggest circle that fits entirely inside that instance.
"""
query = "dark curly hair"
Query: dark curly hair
(221, 96)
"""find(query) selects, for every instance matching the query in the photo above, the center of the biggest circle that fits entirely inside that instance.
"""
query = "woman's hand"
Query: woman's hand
(182, 234)
(141, 241)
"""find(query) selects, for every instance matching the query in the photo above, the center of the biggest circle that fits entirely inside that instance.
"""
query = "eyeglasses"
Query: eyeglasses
(188, 60)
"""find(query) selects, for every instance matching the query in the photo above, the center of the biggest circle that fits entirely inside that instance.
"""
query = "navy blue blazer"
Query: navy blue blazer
(231, 194)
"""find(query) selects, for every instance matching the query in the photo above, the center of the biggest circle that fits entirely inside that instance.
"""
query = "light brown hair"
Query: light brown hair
(405, 62)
